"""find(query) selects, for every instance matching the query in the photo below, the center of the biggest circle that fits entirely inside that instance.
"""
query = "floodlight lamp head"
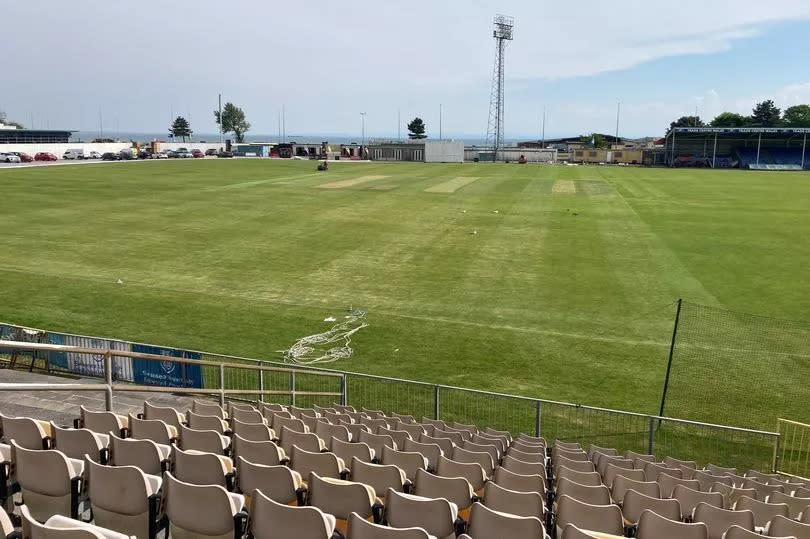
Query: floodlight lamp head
(503, 27)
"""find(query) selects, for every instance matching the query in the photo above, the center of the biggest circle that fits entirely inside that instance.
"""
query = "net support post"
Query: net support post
(669, 360)
(714, 151)
(261, 381)
(537, 417)
(344, 390)
(776, 444)
(436, 402)
(108, 381)
(292, 388)
(804, 147)
(222, 385)
(651, 436)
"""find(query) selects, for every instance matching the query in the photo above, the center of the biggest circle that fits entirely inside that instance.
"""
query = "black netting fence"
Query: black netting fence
(738, 369)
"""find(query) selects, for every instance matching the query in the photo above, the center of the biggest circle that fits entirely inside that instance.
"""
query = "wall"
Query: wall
(444, 151)
(59, 149)
(532, 155)
(166, 146)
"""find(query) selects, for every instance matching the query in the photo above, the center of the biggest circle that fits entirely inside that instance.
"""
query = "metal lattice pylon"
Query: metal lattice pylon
(502, 32)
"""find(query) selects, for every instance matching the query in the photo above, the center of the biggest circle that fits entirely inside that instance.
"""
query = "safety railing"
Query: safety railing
(793, 454)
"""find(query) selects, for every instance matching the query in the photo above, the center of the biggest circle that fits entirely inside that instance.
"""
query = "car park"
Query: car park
(45, 156)
(9, 158)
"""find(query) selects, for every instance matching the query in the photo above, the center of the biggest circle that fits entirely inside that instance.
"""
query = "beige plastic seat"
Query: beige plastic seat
(690, 498)
(591, 479)
(407, 461)
(719, 520)
(736, 532)
(652, 470)
(523, 447)
(381, 477)
(781, 526)
(622, 484)
(706, 480)
(522, 437)
(50, 483)
(266, 453)
(206, 422)
(28, 433)
(635, 504)
(737, 480)
(76, 443)
(453, 489)
(489, 431)
(472, 429)
(303, 440)
(597, 518)
(402, 418)
(654, 526)
(102, 422)
(731, 494)
(802, 492)
(320, 410)
(323, 464)
(61, 527)
(349, 450)
(606, 460)
(572, 532)
(719, 470)
(519, 482)
(437, 516)
(639, 458)
(293, 423)
(763, 490)
(247, 416)
(414, 429)
(599, 495)
(445, 444)
(302, 412)
(200, 468)
(761, 477)
(203, 511)
(667, 484)
(465, 434)
(796, 505)
(311, 422)
(355, 429)
(490, 449)
(377, 441)
(472, 472)
(576, 465)
(255, 432)
(208, 441)
(373, 423)
(342, 498)
(577, 455)
(594, 449)
(399, 436)
(763, 511)
(483, 439)
(474, 457)
(537, 457)
(168, 415)
(430, 451)
(278, 483)
(272, 520)
(671, 462)
(233, 405)
(326, 431)
(612, 471)
(687, 473)
(566, 446)
(437, 423)
(152, 429)
(343, 408)
(516, 465)
(208, 409)
(124, 499)
(149, 457)
(270, 413)
(524, 504)
(790, 486)
(486, 523)
(359, 528)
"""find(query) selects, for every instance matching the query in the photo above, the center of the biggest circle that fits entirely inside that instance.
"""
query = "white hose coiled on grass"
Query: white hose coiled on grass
(317, 348)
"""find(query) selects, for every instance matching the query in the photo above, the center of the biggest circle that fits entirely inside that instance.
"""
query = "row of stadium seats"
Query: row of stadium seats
(280, 471)
(771, 156)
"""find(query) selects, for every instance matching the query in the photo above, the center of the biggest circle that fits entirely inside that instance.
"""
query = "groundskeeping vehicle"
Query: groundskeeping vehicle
(73, 154)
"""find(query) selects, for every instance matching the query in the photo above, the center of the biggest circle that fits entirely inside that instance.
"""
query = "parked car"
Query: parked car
(182, 153)
(210, 151)
(24, 157)
(9, 158)
(225, 153)
(92, 155)
(144, 154)
(73, 154)
(110, 156)
(126, 155)
(158, 155)
(197, 153)
(44, 156)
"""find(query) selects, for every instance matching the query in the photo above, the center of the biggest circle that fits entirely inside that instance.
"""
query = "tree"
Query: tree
(416, 129)
(797, 116)
(233, 121)
(180, 128)
(766, 114)
(594, 139)
(729, 119)
(687, 121)
(18, 125)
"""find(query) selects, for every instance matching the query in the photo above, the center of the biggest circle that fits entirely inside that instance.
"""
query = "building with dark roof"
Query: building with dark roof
(33, 136)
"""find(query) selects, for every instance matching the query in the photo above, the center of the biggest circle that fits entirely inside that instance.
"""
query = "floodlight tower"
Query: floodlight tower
(502, 32)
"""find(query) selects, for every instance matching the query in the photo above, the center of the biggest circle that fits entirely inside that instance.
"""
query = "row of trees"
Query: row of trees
(233, 121)
(764, 114)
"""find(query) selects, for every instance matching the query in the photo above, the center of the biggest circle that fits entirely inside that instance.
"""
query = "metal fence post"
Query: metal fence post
(651, 437)
(435, 402)
(537, 420)
(776, 451)
(222, 385)
(108, 380)
(344, 390)
(261, 381)
(292, 388)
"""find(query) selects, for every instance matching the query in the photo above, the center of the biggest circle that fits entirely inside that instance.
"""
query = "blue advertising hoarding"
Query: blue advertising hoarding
(166, 373)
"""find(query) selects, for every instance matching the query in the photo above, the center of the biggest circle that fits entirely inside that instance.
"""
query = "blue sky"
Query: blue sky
(326, 62)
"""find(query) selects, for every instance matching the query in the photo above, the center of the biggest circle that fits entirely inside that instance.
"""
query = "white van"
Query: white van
(73, 154)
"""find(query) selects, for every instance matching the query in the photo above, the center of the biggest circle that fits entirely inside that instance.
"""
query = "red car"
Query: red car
(44, 156)
(197, 153)
(24, 157)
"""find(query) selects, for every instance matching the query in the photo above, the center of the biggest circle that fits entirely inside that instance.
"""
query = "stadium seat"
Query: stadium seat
(146, 455)
(763, 490)
(373, 424)
(270, 519)
(690, 498)
(336, 417)
(619, 462)
(233, 405)
(399, 436)
(247, 416)
(654, 526)
(207, 409)
(737, 480)
(636, 503)
(326, 431)
(472, 429)
(492, 449)
(168, 415)
(343, 408)
(736, 532)
(790, 487)
(506, 434)
(454, 436)
(208, 441)
(302, 412)
(579, 456)
(501, 442)
(76, 443)
(517, 445)
(516, 465)
(359, 528)
(594, 449)
(206, 422)
(719, 470)
(51, 484)
(706, 480)
(576, 465)
(430, 451)
(565, 446)
(622, 484)
(597, 518)
(199, 468)
(612, 471)
(291, 423)
(719, 520)
(125, 499)
(583, 478)
(349, 450)
(437, 423)
(303, 440)
(667, 484)
(152, 429)
(472, 472)
(402, 418)
(572, 532)
(26, 432)
(61, 527)
(464, 433)
(763, 511)
(407, 461)
(102, 422)
(279, 483)
(323, 464)
(375, 414)
(486, 523)
(203, 511)
(342, 498)
(481, 458)
(266, 453)
(594, 495)
(671, 462)
(454, 489)
(796, 505)
(377, 441)
(320, 410)
(732, 494)
(437, 516)
(355, 429)
(380, 477)
(652, 470)
(524, 504)
(521, 483)
(781, 526)
(639, 457)
(414, 429)
(255, 432)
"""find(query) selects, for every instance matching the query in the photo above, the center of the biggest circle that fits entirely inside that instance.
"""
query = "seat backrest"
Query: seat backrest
(360, 528)
(719, 470)
(340, 498)
(119, 496)
(763, 490)
(323, 464)
(718, 520)
(524, 447)
(594, 449)
(198, 509)
(414, 429)
(763, 511)
(267, 453)
(567, 446)
(205, 422)
(207, 409)
(438, 423)
(326, 431)
(292, 423)
(168, 415)
(373, 423)
(379, 476)
(446, 444)
(485, 522)
(407, 461)
(667, 484)
(577, 455)
(348, 450)
(489, 448)
(453, 489)
(572, 532)
(500, 442)
(622, 484)
(483, 459)
(731, 494)
(651, 525)
(516, 465)
(150, 429)
(255, 432)
(591, 479)
(520, 482)
(278, 483)
(706, 480)
(607, 460)
(781, 526)
(75, 443)
(653, 469)
(200, 468)
(612, 471)
(31, 529)
(303, 440)
(689, 498)
(436, 516)
(643, 457)
(577, 465)
(247, 416)
(636, 503)
(598, 518)
(430, 451)
(100, 421)
(45, 472)
(736, 532)
(377, 441)
(595, 495)
(399, 436)
(524, 504)
(23, 430)
(796, 505)
(143, 454)
(671, 462)
(208, 441)
(470, 471)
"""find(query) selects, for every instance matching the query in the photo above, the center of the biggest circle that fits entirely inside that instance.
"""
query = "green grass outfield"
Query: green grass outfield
(565, 293)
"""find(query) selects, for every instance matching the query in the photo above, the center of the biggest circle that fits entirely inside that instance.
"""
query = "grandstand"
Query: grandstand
(755, 148)
(238, 466)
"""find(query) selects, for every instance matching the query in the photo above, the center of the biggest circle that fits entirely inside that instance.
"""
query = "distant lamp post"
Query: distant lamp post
(363, 128)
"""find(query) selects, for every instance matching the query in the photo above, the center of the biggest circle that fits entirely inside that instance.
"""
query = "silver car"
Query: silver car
(9, 158)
